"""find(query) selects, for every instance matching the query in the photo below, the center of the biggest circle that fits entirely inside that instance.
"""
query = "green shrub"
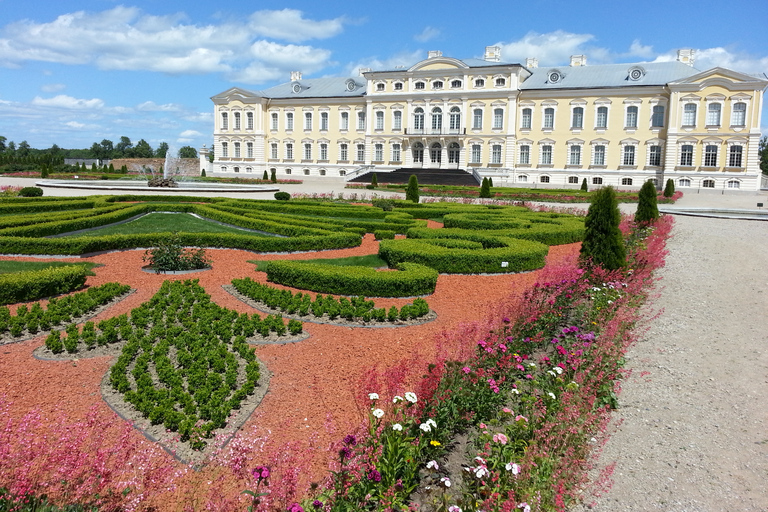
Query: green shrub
(490, 182)
(282, 196)
(31, 192)
(202, 173)
(412, 191)
(384, 234)
(669, 188)
(384, 204)
(37, 284)
(265, 177)
(170, 255)
(603, 243)
(584, 185)
(647, 209)
(374, 180)
(273, 176)
(485, 189)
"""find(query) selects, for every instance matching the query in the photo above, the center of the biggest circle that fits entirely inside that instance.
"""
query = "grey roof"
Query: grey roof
(608, 75)
(332, 87)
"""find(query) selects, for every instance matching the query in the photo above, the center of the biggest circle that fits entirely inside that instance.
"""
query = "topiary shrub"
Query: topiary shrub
(490, 182)
(584, 186)
(485, 189)
(282, 196)
(202, 173)
(266, 176)
(384, 204)
(412, 191)
(374, 180)
(603, 243)
(669, 188)
(273, 176)
(647, 209)
(31, 192)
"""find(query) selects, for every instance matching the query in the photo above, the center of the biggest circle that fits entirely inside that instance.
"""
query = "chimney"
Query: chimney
(295, 76)
(362, 71)
(492, 54)
(434, 54)
(531, 62)
(578, 60)
(685, 56)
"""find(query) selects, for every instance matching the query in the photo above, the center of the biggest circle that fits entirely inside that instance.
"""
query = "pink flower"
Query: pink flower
(500, 438)
(520, 417)
(466, 369)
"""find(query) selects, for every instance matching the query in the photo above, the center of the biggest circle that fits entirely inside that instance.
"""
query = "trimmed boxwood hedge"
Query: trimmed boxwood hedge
(37, 284)
(410, 279)
(519, 255)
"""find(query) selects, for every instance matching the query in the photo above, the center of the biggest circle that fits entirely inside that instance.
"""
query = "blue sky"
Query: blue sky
(76, 72)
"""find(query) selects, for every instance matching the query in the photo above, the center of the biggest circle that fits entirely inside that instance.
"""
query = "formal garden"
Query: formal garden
(188, 353)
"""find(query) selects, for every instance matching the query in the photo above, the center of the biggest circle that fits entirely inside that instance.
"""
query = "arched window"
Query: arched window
(418, 152)
(437, 119)
(237, 120)
(686, 155)
(713, 114)
(455, 119)
(689, 114)
(249, 121)
(549, 118)
(418, 119)
(397, 120)
(708, 183)
(453, 153)
(734, 156)
(476, 153)
(224, 121)
(578, 117)
(739, 114)
(496, 154)
(435, 153)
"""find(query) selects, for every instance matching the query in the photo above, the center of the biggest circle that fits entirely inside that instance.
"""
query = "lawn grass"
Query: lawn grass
(370, 260)
(10, 267)
(165, 223)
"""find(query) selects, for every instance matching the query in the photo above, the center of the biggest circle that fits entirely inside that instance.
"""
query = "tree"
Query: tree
(485, 189)
(23, 148)
(202, 173)
(584, 186)
(490, 182)
(2, 144)
(647, 210)
(273, 176)
(143, 150)
(412, 191)
(669, 188)
(603, 244)
(162, 150)
(374, 180)
(96, 151)
(762, 150)
(266, 176)
(107, 149)
(11, 148)
(124, 147)
(187, 152)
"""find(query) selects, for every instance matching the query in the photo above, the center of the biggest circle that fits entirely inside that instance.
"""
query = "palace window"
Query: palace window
(453, 152)
(224, 121)
(396, 153)
(344, 121)
(249, 149)
(654, 158)
(710, 156)
(323, 151)
(479, 82)
(602, 117)
(549, 118)
(525, 155)
(343, 152)
(684, 182)
(455, 119)
(734, 184)
(708, 183)
(689, 114)
(289, 151)
(597, 181)
(249, 120)
(324, 121)
(379, 120)
(418, 152)
(734, 156)
(627, 182)
(273, 151)
(456, 84)
(496, 154)
(418, 119)
(629, 155)
(713, 114)
(477, 119)
(289, 121)
(578, 118)
(307, 151)
(631, 121)
(224, 149)
(546, 155)
(274, 121)
(237, 120)
(361, 120)
(307, 120)
(398, 86)
(544, 179)
(437, 120)
(573, 180)
(379, 87)
(498, 118)
(598, 157)
(501, 82)
(686, 155)
(575, 155)
(437, 84)
(378, 152)
(476, 153)
(525, 119)
(397, 120)
(657, 119)
(237, 150)
(418, 85)
(739, 114)
(360, 157)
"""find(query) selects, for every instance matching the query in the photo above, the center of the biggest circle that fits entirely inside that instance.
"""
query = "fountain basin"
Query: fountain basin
(141, 186)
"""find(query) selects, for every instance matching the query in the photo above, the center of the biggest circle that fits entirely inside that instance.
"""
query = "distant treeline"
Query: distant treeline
(104, 150)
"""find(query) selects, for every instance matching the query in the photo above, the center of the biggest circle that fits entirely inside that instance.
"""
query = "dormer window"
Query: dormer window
(635, 73)
(456, 84)
(380, 87)
(419, 85)
(350, 85)
(438, 84)
(398, 86)
(479, 82)
(554, 77)
(296, 88)
(501, 82)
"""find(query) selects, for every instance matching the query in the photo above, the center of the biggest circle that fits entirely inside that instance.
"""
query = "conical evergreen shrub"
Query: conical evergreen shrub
(584, 186)
(603, 243)
(412, 191)
(266, 176)
(374, 180)
(273, 176)
(669, 188)
(485, 189)
(647, 210)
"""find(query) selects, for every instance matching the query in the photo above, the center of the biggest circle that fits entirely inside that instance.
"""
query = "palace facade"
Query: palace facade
(523, 125)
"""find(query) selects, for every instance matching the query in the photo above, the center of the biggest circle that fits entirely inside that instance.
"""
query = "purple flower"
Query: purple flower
(260, 472)
(317, 504)
(350, 440)
(374, 476)
(295, 508)
(345, 453)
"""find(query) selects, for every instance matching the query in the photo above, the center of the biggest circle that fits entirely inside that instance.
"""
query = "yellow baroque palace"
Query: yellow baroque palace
(523, 125)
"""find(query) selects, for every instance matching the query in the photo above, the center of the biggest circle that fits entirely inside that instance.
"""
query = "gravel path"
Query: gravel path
(692, 427)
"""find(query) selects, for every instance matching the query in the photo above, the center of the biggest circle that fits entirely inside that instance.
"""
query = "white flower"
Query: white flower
(480, 460)
(433, 465)
(514, 468)
(526, 507)
(532, 365)
(481, 471)
(445, 481)
(454, 508)
(552, 396)
(515, 391)
(425, 427)
(397, 427)
(378, 413)
(552, 373)
(430, 421)
(411, 397)
(558, 370)
(373, 396)
(397, 398)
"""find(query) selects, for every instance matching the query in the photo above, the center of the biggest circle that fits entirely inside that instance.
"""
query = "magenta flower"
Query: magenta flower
(350, 440)
(260, 472)
(345, 453)
(317, 504)
(374, 476)
(295, 508)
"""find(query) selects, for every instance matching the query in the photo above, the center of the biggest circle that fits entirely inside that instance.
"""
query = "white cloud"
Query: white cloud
(427, 34)
(169, 44)
(151, 106)
(400, 60)
(74, 124)
(68, 102)
(53, 87)
(639, 50)
(551, 48)
(190, 133)
(290, 25)
(706, 58)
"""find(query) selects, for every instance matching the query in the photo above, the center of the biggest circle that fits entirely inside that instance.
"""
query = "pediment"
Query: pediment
(720, 76)
(438, 63)
(236, 94)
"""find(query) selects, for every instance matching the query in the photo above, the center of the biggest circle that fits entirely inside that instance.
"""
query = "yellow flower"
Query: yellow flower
(435, 443)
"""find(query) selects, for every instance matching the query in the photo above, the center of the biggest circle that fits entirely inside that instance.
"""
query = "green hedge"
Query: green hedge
(519, 255)
(35, 205)
(37, 284)
(411, 279)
